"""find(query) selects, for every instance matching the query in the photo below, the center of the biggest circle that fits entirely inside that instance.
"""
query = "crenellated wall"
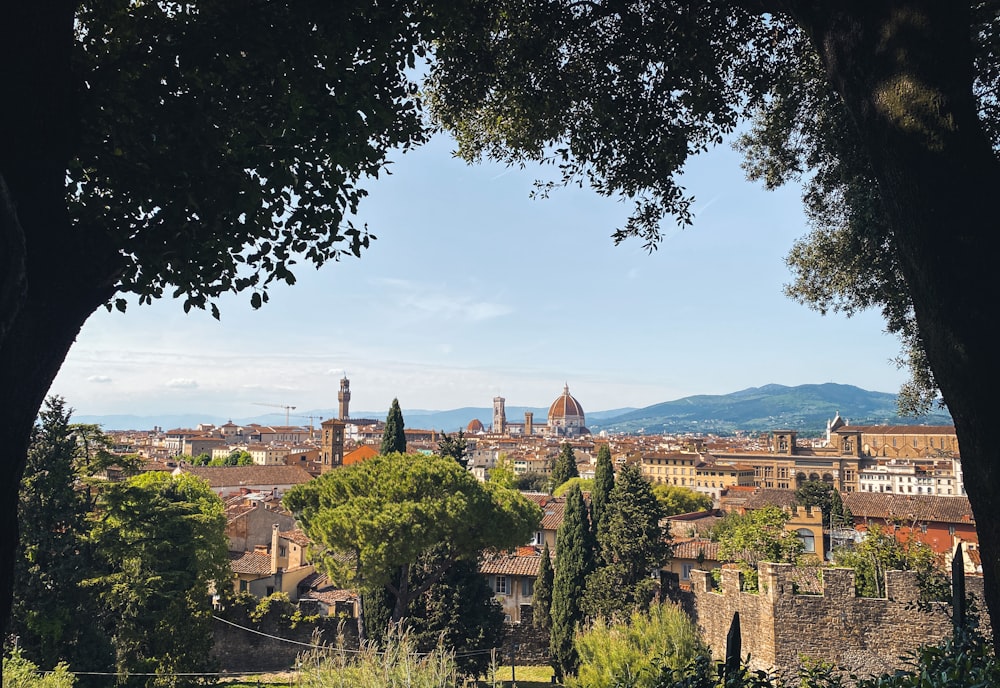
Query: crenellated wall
(780, 627)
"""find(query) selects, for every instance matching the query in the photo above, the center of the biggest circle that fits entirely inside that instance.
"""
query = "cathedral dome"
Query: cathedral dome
(565, 405)
(474, 426)
(566, 415)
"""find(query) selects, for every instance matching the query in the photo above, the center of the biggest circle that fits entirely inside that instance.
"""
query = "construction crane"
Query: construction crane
(311, 418)
(282, 406)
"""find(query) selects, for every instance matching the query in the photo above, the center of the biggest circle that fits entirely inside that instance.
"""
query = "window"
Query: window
(282, 551)
(808, 539)
(527, 587)
(502, 585)
(539, 538)
(270, 590)
(951, 530)
(686, 571)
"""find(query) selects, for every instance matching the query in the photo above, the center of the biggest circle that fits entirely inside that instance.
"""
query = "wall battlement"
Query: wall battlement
(781, 625)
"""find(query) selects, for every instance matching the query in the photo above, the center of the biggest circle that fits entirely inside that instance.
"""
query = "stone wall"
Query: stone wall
(528, 643)
(780, 627)
(273, 646)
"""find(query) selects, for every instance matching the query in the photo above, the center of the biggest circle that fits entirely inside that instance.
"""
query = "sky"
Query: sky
(473, 290)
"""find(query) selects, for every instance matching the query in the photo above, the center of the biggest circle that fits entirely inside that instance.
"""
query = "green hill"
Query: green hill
(805, 408)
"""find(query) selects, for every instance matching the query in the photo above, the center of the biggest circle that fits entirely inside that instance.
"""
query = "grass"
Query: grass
(526, 676)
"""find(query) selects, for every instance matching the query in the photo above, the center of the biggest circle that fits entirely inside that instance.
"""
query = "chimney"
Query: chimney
(274, 548)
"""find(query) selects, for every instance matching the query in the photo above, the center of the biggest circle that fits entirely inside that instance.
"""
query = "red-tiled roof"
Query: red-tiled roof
(510, 564)
(908, 508)
(900, 429)
(250, 563)
(365, 451)
(771, 497)
(691, 548)
(552, 509)
(234, 476)
(296, 536)
(316, 586)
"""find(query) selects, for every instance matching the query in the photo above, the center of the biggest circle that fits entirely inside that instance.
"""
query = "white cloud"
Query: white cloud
(100, 379)
(182, 383)
(435, 301)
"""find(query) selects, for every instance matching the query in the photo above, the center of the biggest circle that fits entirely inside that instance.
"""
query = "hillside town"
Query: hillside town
(902, 480)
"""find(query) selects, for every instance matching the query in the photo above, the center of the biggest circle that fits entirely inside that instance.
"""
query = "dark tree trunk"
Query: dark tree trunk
(54, 274)
(64, 283)
(904, 70)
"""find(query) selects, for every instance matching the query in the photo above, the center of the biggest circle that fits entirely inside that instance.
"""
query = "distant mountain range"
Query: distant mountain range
(805, 408)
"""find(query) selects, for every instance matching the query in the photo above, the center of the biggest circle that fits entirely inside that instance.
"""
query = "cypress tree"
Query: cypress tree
(459, 611)
(393, 436)
(541, 603)
(565, 467)
(52, 614)
(604, 482)
(575, 557)
(632, 544)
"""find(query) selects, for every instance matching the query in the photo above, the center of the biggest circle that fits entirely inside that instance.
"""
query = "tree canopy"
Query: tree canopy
(677, 499)
(455, 446)
(53, 615)
(880, 550)
(183, 150)
(162, 542)
(389, 511)
(755, 536)
(886, 112)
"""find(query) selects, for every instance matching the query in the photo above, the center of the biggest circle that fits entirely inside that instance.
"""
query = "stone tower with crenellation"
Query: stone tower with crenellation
(344, 397)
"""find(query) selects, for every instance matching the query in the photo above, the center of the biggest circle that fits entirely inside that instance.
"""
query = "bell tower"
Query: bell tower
(344, 397)
(499, 416)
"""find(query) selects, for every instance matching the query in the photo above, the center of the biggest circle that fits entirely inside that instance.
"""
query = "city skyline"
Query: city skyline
(474, 290)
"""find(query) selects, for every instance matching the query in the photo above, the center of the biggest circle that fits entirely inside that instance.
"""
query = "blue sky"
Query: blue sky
(474, 290)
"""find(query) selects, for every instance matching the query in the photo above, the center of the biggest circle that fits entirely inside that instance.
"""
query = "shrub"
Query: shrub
(394, 664)
(19, 672)
(630, 652)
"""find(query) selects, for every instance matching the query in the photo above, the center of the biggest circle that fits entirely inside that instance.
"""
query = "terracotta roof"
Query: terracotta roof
(365, 451)
(552, 509)
(690, 548)
(252, 563)
(234, 511)
(510, 564)
(317, 586)
(296, 536)
(771, 497)
(926, 508)
(475, 425)
(900, 429)
(699, 522)
(233, 476)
